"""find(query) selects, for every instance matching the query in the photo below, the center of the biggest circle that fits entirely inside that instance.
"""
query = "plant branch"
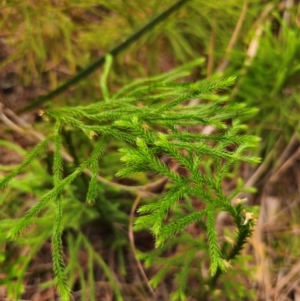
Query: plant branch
(144, 190)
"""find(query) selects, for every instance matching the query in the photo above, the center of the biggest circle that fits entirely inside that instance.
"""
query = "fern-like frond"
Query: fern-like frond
(178, 225)
(160, 134)
(182, 277)
(57, 253)
(27, 219)
(217, 261)
(57, 249)
(31, 156)
(94, 167)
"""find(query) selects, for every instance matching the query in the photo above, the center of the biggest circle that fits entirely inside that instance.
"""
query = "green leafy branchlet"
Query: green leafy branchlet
(57, 249)
(163, 133)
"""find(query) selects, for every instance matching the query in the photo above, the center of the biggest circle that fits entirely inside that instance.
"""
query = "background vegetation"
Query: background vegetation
(45, 43)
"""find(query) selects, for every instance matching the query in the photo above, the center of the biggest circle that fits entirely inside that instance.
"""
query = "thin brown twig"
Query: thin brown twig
(8, 122)
(233, 38)
(131, 240)
(286, 152)
(254, 43)
(288, 4)
(285, 166)
(289, 278)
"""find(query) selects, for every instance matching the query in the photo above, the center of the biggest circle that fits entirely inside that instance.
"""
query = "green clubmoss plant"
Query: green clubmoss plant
(162, 131)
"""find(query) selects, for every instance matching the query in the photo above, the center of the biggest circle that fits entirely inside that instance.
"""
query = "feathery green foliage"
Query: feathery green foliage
(266, 78)
(33, 154)
(57, 249)
(161, 130)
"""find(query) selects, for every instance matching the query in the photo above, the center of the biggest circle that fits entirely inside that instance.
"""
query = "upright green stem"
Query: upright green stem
(244, 232)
